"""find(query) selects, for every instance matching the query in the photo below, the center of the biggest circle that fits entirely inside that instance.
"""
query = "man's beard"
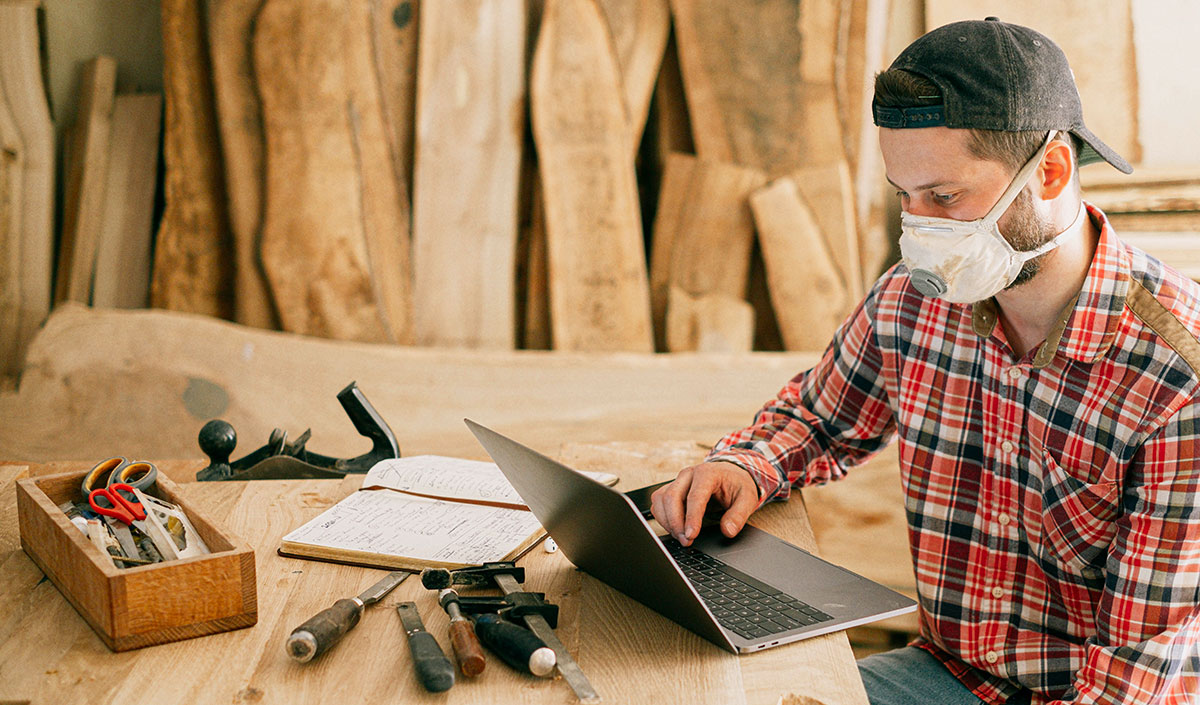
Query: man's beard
(1026, 230)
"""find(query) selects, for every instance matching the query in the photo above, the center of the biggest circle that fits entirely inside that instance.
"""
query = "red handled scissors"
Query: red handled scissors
(120, 503)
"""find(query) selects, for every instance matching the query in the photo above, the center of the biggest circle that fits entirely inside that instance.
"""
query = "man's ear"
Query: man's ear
(1056, 170)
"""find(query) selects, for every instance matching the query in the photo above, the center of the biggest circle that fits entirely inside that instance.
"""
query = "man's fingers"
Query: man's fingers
(701, 491)
(743, 505)
(667, 503)
(680, 506)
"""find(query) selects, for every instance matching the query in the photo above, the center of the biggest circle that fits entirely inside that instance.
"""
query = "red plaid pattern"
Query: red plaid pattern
(1053, 503)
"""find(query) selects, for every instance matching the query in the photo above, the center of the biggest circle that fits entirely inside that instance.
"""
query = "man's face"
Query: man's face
(936, 175)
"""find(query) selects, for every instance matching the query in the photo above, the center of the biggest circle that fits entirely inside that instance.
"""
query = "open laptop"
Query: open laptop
(747, 593)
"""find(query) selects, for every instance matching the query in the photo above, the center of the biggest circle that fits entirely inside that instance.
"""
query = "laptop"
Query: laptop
(744, 594)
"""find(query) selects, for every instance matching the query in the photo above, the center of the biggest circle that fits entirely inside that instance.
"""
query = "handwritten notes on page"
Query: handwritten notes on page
(452, 478)
(424, 511)
(381, 527)
(448, 478)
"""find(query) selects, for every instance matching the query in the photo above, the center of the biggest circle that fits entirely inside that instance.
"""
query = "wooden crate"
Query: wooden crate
(144, 605)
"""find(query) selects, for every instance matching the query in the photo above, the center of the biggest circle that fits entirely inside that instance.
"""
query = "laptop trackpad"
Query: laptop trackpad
(785, 567)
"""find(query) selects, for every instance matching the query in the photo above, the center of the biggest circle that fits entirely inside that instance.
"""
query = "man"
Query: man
(1041, 378)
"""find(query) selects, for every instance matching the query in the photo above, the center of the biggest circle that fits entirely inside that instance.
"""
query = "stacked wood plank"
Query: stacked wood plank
(528, 148)
(111, 175)
(771, 87)
(1157, 210)
(26, 185)
(110, 158)
(565, 174)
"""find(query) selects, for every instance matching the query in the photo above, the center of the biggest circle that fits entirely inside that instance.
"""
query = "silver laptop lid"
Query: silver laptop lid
(601, 531)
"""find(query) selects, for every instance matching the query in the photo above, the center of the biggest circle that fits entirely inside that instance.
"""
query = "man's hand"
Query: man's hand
(680, 506)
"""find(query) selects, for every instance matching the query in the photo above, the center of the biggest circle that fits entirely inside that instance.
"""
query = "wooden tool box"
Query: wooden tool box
(144, 605)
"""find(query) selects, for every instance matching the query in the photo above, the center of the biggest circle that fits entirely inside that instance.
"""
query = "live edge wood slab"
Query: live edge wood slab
(631, 654)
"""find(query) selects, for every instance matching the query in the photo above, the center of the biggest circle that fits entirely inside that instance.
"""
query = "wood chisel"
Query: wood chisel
(317, 635)
(507, 577)
(462, 636)
(434, 670)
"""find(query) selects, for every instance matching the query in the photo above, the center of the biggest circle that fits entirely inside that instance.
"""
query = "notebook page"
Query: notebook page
(390, 523)
(452, 478)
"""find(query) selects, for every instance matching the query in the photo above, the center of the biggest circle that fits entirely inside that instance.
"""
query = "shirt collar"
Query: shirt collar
(1087, 326)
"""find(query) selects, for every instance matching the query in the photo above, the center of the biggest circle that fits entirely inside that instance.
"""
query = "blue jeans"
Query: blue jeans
(911, 676)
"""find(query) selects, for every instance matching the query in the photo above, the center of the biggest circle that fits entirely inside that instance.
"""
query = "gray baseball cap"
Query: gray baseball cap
(996, 76)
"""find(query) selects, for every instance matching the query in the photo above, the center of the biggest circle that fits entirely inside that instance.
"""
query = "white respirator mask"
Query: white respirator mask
(964, 261)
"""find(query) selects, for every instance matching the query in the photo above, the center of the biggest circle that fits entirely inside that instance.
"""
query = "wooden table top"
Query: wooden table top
(629, 653)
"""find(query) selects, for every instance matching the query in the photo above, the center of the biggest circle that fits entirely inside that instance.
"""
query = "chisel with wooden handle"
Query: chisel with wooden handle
(317, 635)
(462, 635)
(434, 670)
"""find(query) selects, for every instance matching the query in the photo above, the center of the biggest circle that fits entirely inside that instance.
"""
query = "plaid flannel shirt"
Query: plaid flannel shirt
(1053, 502)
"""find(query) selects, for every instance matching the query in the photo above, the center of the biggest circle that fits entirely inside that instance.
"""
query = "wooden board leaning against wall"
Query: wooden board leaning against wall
(22, 90)
(470, 125)
(599, 290)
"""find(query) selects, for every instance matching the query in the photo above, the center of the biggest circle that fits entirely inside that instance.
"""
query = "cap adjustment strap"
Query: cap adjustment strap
(922, 116)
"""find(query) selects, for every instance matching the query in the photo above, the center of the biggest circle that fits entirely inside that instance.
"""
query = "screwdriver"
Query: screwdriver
(317, 635)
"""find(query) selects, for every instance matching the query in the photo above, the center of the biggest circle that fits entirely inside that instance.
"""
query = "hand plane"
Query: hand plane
(281, 460)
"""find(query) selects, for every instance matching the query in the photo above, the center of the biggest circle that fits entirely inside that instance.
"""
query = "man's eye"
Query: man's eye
(901, 194)
(944, 197)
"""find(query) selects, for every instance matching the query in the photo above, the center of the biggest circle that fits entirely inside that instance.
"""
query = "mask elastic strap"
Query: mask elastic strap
(1018, 182)
(1054, 242)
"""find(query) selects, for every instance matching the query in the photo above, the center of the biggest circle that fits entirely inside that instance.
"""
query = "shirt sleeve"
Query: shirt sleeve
(825, 420)
(1147, 645)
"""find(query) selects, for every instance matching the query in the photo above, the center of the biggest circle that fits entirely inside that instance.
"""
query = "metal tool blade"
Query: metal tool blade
(570, 670)
(124, 537)
(376, 592)
(410, 618)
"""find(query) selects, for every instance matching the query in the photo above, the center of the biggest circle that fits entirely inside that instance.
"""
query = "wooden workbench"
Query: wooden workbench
(631, 654)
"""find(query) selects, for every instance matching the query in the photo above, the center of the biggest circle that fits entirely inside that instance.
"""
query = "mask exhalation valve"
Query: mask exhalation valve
(927, 282)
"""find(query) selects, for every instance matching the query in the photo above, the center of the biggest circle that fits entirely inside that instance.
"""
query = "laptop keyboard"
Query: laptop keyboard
(741, 603)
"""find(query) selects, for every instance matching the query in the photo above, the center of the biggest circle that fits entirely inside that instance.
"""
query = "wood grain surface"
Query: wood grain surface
(809, 295)
(193, 269)
(335, 235)
(470, 127)
(639, 31)
(23, 90)
(631, 655)
(12, 156)
(90, 388)
(126, 238)
(229, 25)
(862, 41)
(741, 69)
(394, 31)
(708, 323)
(599, 290)
(703, 233)
(84, 191)
(829, 193)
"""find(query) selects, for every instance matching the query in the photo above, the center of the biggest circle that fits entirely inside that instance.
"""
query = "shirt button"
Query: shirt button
(992, 657)
(1003, 519)
(1007, 446)
(1014, 372)
(997, 592)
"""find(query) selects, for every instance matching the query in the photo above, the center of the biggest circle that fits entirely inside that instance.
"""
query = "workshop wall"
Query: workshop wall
(355, 230)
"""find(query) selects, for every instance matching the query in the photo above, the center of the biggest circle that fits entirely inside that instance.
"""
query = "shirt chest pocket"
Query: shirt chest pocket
(1078, 519)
